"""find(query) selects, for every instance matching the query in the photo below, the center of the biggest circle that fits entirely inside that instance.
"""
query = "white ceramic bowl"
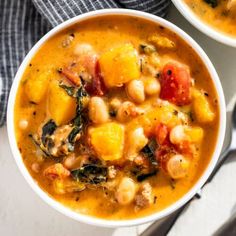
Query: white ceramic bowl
(89, 219)
(202, 26)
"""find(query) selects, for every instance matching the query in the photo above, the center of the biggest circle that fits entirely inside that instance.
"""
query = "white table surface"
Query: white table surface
(23, 213)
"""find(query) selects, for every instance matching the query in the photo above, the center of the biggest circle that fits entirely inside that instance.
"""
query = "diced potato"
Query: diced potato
(108, 140)
(201, 108)
(62, 107)
(160, 114)
(119, 65)
(161, 41)
(195, 134)
(36, 87)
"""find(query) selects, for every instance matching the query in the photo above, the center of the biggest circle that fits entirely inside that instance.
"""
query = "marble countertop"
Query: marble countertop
(22, 212)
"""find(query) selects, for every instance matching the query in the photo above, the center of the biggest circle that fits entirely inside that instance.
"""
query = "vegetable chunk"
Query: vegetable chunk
(108, 140)
(161, 41)
(36, 87)
(195, 134)
(156, 115)
(175, 84)
(119, 65)
(201, 108)
(62, 107)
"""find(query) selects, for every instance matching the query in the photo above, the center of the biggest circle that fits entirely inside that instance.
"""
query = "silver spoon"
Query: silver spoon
(162, 229)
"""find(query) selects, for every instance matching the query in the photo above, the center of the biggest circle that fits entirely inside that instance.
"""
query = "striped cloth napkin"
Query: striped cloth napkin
(24, 22)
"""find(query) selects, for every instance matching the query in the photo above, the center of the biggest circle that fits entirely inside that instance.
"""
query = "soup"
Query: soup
(116, 117)
(220, 14)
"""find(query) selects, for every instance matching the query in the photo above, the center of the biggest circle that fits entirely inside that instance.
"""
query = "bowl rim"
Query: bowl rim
(203, 27)
(90, 219)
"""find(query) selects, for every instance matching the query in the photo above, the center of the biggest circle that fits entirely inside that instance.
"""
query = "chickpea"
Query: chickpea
(152, 86)
(126, 111)
(98, 111)
(136, 141)
(177, 134)
(177, 166)
(35, 167)
(115, 103)
(126, 191)
(71, 161)
(23, 124)
(135, 90)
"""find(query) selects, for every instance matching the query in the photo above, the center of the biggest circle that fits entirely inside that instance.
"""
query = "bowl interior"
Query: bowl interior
(203, 27)
(88, 219)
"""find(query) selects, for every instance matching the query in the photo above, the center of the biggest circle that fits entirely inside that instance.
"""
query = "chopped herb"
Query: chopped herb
(142, 177)
(33, 103)
(73, 134)
(112, 113)
(175, 112)
(154, 199)
(149, 152)
(59, 70)
(69, 89)
(90, 173)
(73, 64)
(141, 65)
(172, 183)
(212, 3)
(191, 116)
(142, 173)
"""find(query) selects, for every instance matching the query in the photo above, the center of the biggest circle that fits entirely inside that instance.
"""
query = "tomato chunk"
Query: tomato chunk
(97, 86)
(175, 84)
(162, 134)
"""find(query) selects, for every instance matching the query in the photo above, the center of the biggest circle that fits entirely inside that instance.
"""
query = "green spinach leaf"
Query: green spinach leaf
(90, 173)
(212, 3)
(143, 176)
(47, 130)
(149, 152)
